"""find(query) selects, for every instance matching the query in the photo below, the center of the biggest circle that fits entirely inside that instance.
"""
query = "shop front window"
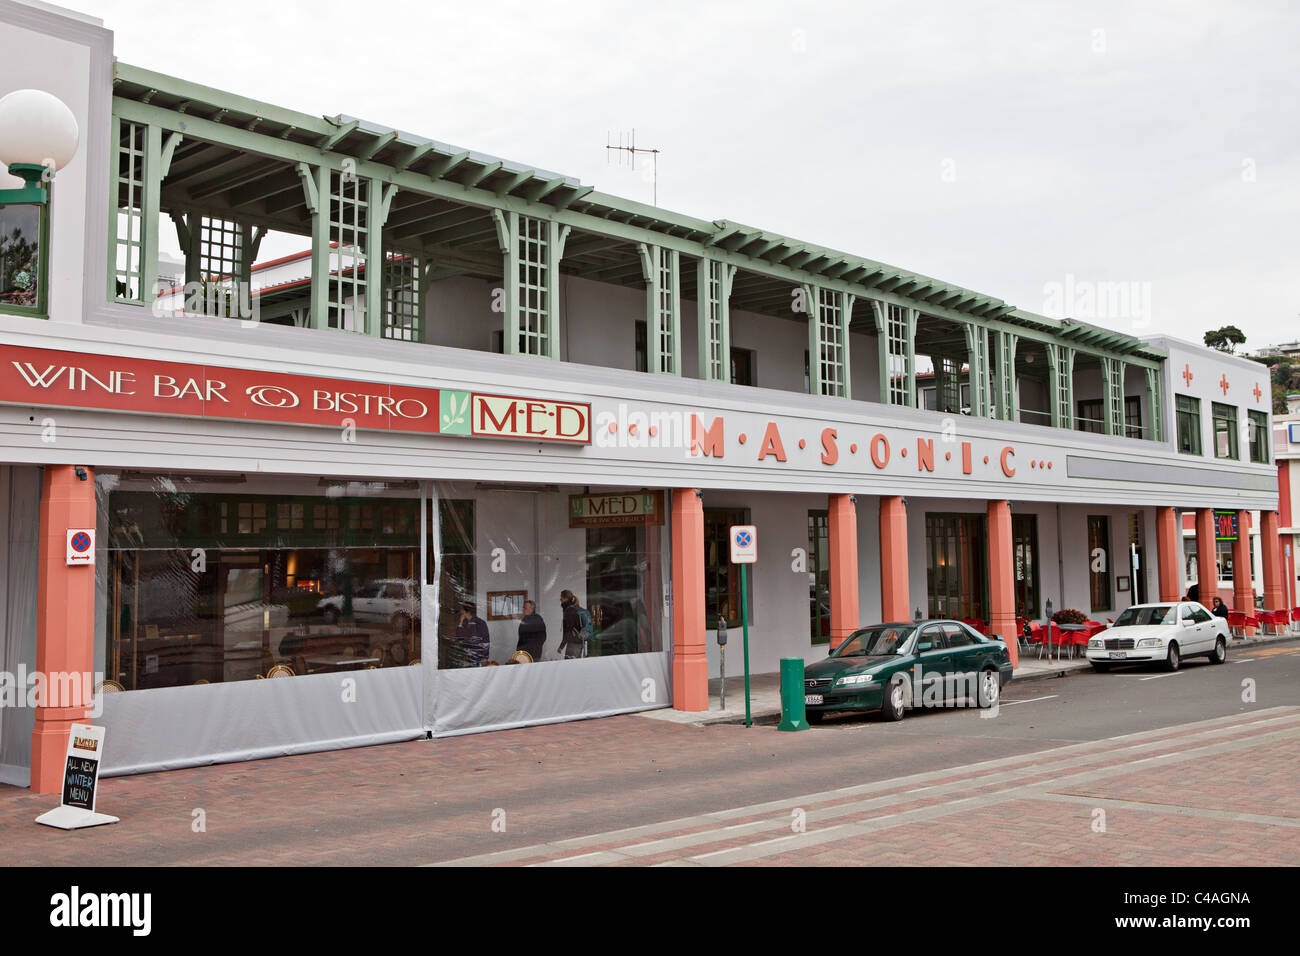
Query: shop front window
(533, 574)
(213, 578)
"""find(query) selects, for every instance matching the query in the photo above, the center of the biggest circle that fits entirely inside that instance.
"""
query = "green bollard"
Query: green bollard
(793, 716)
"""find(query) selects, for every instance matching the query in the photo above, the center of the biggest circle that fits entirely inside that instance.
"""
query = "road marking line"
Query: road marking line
(1158, 676)
(918, 790)
(1011, 703)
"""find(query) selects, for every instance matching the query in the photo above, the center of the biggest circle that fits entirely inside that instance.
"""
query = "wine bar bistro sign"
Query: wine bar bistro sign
(50, 378)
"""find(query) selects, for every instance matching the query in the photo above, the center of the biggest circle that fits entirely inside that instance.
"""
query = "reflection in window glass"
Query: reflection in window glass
(280, 584)
(20, 251)
(547, 573)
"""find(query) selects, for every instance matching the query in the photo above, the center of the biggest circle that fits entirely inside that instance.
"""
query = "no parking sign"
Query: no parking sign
(81, 546)
(744, 544)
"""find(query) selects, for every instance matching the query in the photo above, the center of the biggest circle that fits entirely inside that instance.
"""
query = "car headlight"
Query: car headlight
(854, 679)
(1095, 642)
(1150, 642)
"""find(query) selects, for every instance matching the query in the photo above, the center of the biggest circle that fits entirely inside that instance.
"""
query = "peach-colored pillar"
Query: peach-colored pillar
(842, 538)
(1243, 584)
(1270, 547)
(65, 621)
(1002, 588)
(894, 592)
(1207, 557)
(690, 666)
(1169, 554)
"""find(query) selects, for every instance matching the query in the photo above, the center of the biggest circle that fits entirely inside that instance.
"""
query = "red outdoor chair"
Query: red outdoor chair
(1277, 620)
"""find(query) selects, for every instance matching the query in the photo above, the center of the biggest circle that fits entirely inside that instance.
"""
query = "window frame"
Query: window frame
(41, 310)
(1190, 416)
(1258, 424)
(1227, 415)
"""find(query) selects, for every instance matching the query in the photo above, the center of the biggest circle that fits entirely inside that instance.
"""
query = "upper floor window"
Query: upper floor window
(1090, 418)
(642, 346)
(1258, 437)
(1133, 417)
(742, 367)
(1225, 430)
(1189, 424)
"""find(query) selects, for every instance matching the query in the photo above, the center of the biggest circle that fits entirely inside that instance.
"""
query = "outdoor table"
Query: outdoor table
(1072, 628)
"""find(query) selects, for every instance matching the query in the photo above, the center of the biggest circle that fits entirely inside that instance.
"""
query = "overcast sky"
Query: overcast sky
(1033, 152)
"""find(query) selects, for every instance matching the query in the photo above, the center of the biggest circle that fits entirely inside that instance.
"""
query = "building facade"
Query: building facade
(408, 398)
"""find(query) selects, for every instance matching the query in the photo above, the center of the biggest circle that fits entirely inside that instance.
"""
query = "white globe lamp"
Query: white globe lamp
(37, 132)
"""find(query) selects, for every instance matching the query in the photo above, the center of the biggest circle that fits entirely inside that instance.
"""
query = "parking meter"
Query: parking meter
(722, 661)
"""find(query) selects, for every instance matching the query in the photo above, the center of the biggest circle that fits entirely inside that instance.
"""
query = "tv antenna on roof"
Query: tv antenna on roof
(627, 144)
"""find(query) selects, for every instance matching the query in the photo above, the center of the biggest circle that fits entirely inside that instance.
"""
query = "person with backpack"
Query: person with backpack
(576, 626)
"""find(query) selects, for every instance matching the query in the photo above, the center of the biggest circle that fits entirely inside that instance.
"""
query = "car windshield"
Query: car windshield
(875, 641)
(1150, 614)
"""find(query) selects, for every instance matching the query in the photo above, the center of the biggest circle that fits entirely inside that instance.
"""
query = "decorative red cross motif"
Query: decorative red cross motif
(1258, 393)
(1187, 374)
(1223, 383)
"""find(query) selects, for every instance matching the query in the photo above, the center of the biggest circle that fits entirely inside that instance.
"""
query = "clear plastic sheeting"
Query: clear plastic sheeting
(550, 604)
(526, 575)
(392, 608)
(216, 578)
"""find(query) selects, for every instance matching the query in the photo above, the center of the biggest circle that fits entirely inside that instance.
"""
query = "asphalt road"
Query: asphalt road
(430, 801)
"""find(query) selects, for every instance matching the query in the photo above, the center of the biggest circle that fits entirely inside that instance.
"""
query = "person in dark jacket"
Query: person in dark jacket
(1220, 609)
(532, 631)
(571, 643)
(472, 634)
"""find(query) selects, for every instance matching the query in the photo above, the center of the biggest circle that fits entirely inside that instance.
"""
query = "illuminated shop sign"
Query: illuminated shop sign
(617, 510)
(52, 378)
(1225, 526)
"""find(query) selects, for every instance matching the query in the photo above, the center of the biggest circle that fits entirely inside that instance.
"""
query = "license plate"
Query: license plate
(1118, 655)
(813, 699)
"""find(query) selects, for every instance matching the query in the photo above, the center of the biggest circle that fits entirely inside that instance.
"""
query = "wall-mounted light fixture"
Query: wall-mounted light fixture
(38, 137)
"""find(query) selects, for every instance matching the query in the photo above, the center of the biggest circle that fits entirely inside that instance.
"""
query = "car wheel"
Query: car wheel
(331, 615)
(989, 688)
(1173, 660)
(1220, 652)
(1100, 667)
(895, 702)
(815, 716)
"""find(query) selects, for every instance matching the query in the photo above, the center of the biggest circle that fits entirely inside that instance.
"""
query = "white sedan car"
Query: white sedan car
(1167, 632)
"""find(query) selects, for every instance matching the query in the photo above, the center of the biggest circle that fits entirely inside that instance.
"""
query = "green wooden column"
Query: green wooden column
(1112, 374)
(713, 281)
(977, 351)
(1156, 402)
(557, 237)
(153, 176)
(316, 192)
(892, 345)
(661, 269)
(1006, 376)
(380, 200)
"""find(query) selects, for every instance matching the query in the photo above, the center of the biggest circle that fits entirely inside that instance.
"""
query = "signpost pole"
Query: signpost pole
(744, 622)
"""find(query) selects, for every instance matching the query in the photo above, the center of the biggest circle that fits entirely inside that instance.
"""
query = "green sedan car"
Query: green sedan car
(890, 667)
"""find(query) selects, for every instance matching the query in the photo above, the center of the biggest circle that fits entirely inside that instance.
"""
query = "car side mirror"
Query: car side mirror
(829, 651)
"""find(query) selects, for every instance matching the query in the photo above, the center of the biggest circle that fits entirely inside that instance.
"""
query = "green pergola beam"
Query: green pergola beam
(333, 139)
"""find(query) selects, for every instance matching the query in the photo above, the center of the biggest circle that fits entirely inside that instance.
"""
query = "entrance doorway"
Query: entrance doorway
(616, 571)
(956, 566)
